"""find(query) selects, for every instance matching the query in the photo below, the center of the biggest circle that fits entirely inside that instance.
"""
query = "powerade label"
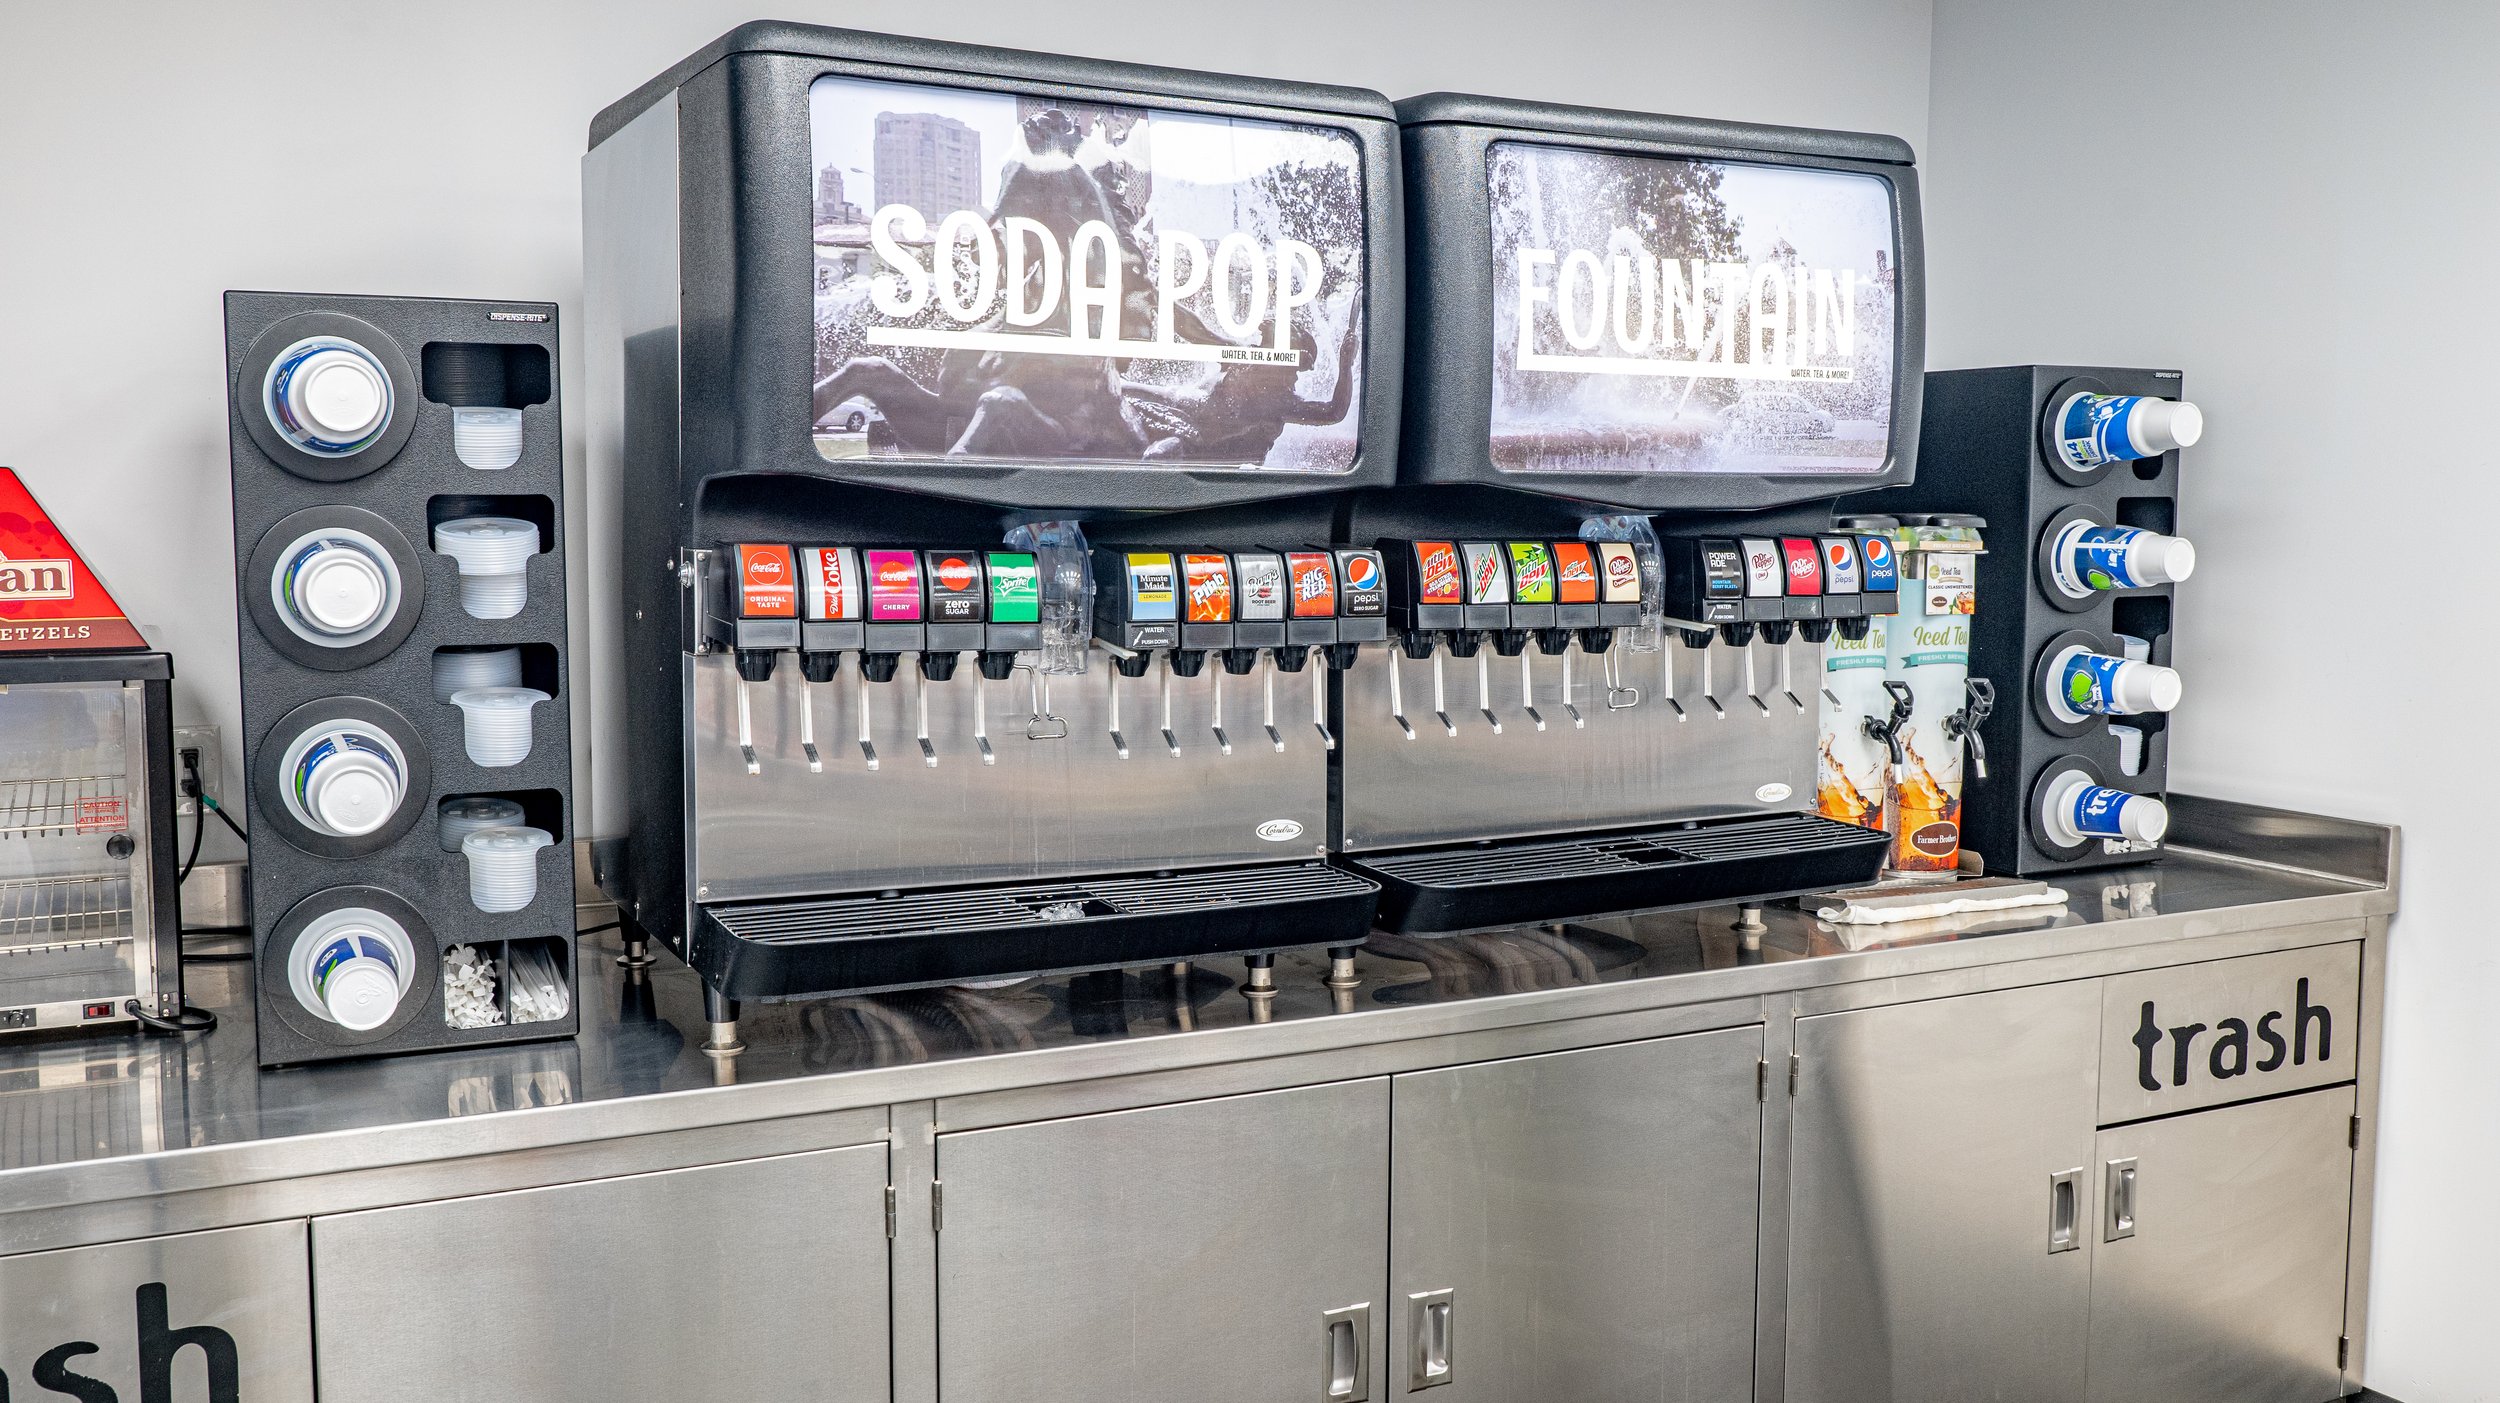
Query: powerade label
(1488, 580)
(1210, 581)
(1314, 579)
(832, 584)
(894, 586)
(2097, 811)
(1883, 568)
(768, 583)
(1258, 587)
(1438, 576)
(1015, 588)
(1366, 583)
(1531, 573)
(1723, 570)
(1152, 589)
(1575, 573)
(2094, 430)
(2090, 684)
(1802, 566)
(2100, 556)
(1765, 569)
(1840, 565)
(954, 587)
(1621, 570)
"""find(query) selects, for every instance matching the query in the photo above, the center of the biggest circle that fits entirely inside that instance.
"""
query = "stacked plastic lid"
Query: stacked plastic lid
(495, 723)
(503, 866)
(461, 817)
(494, 555)
(488, 667)
(486, 438)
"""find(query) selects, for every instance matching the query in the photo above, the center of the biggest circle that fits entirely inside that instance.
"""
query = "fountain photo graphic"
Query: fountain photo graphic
(1659, 315)
(1005, 277)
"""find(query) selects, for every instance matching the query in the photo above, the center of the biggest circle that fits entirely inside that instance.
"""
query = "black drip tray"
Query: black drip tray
(857, 944)
(1524, 880)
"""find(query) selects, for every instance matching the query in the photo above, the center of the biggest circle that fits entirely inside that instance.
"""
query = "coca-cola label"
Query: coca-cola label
(1366, 583)
(954, 587)
(1152, 586)
(893, 586)
(768, 583)
(1765, 569)
(1622, 571)
(1531, 572)
(1802, 565)
(1314, 578)
(833, 584)
(1210, 581)
(1575, 573)
(1488, 579)
(1438, 578)
(1258, 587)
(1840, 565)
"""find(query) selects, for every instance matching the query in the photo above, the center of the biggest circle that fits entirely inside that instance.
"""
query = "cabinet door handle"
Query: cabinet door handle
(1429, 1323)
(2118, 1183)
(1349, 1353)
(2063, 1191)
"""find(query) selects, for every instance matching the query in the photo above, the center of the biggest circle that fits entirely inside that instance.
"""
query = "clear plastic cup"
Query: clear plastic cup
(503, 866)
(458, 818)
(495, 723)
(494, 554)
(486, 438)
(492, 667)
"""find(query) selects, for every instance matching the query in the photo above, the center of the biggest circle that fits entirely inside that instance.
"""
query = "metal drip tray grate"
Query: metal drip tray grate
(48, 913)
(51, 808)
(1547, 879)
(847, 944)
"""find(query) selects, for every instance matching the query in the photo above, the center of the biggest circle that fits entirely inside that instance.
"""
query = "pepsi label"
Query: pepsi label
(1766, 570)
(1883, 568)
(1488, 579)
(1259, 585)
(1366, 583)
(1840, 565)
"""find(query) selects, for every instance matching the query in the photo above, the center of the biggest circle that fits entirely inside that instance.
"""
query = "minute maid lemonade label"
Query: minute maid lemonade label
(1932, 655)
(1853, 770)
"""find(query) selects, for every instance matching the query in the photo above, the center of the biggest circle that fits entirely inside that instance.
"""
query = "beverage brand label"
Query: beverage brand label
(1623, 572)
(1438, 576)
(2094, 430)
(954, 587)
(893, 586)
(1015, 588)
(1883, 568)
(768, 583)
(1488, 579)
(833, 584)
(1840, 565)
(1259, 587)
(2097, 811)
(1210, 582)
(1152, 588)
(2100, 556)
(1531, 573)
(1727, 568)
(2090, 684)
(1950, 579)
(1366, 583)
(1766, 570)
(1802, 565)
(1314, 578)
(1575, 573)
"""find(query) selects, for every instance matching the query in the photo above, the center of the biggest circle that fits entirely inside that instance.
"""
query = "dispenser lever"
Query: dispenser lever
(1527, 688)
(1164, 679)
(1980, 701)
(859, 691)
(807, 727)
(1888, 728)
(920, 696)
(1267, 713)
(1397, 695)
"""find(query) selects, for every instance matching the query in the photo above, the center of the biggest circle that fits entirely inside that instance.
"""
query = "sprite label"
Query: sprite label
(1015, 588)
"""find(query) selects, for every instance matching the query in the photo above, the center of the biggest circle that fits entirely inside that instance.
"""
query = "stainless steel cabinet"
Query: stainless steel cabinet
(1939, 1243)
(1579, 1225)
(1222, 1251)
(761, 1279)
(220, 1315)
(2220, 1267)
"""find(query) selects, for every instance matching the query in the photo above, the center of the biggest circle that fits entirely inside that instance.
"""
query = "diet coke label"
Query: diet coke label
(832, 584)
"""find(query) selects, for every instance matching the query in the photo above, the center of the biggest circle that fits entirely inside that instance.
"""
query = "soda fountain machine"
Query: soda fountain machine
(904, 351)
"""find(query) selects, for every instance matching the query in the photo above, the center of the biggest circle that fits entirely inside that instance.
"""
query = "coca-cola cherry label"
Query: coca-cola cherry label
(894, 586)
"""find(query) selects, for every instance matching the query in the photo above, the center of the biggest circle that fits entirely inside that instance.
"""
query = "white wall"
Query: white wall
(154, 155)
(2293, 202)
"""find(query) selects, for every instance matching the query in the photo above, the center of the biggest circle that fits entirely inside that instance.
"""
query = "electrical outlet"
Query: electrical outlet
(212, 766)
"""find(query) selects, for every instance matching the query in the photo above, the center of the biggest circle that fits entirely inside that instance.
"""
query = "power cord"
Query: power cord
(197, 792)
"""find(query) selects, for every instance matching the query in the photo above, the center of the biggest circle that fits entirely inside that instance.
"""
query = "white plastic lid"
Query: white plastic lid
(2145, 687)
(2162, 560)
(519, 699)
(340, 589)
(505, 843)
(351, 792)
(361, 993)
(2144, 820)
(337, 394)
(488, 545)
(2158, 425)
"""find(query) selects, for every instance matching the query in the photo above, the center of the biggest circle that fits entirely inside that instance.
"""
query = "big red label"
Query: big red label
(1488, 579)
(833, 584)
(1804, 566)
(1764, 568)
(1575, 573)
(1622, 570)
(893, 586)
(1314, 578)
(768, 582)
(1210, 579)
(1438, 577)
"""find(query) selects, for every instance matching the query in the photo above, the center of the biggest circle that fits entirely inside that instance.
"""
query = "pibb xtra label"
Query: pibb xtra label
(1210, 583)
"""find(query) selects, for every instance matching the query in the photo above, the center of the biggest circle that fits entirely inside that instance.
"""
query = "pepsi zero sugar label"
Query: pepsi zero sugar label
(2086, 559)
(1366, 584)
(2096, 430)
(2096, 684)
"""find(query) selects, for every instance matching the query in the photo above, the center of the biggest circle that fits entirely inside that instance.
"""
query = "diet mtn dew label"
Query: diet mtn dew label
(1930, 652)
(1852, 770)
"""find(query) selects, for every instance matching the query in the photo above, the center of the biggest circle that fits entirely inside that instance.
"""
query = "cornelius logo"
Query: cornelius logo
(1362, 572)
(955, 572)
(1437, 566)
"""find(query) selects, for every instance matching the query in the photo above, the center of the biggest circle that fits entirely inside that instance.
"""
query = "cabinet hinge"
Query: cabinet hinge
(889, 1210)
(937, 1205)
(1762, 1079)
(1792, 1074)
(2343, 1350)
(2355, 1141)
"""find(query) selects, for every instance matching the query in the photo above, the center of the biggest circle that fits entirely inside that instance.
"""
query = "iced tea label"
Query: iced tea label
(833, 586)
(893, 586)
(1314, 578)
(1488, 579)
(1883, 568)
(1015, 588)
(1531, 573)
(1949, 581)
(1259, 585)
(768, 583)
(954, 587)
(1152, 589)
(1622, 568)
(1438, 577)
(1366, 583)
(1802, 566)
(1575, 573)
(1210, 582)
(1840, 565)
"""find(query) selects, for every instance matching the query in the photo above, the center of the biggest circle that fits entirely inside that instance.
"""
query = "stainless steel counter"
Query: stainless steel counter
(104, 1138)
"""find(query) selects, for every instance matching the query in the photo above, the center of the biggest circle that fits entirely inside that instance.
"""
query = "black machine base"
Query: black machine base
(1519, 881)
(862, 944)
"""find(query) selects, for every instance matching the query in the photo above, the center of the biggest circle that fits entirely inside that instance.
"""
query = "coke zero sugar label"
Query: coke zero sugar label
(954, 587)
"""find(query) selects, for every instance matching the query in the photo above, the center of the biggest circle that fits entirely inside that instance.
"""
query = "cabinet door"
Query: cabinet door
(733, 1282)
(1578, 1225)
(217, 1315)
(1939, 1206)
(2220, 1274)
(1223, 1251)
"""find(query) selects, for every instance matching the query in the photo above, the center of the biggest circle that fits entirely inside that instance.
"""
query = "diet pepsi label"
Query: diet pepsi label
(1488, 579)
(2098, 811)
(1209, 579)
(1259, 587)
(1153, 588)
(1531, 573)
(894, 586)
(2094, 432)
(1801, 565)
(2089, 684)
(768, 583)
(955, 594)
(2098, 556)
(1766, 570)
(1439, 579)
(1575, 573)
(833, 585)
(1366, 583)
(1314, 580)
(1883, 568)
(1840, 565)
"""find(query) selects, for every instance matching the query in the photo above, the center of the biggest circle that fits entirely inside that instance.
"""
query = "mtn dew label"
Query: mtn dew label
(1852, 770)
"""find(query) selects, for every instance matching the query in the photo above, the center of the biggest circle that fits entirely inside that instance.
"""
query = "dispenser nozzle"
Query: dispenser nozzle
(1888, 729)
